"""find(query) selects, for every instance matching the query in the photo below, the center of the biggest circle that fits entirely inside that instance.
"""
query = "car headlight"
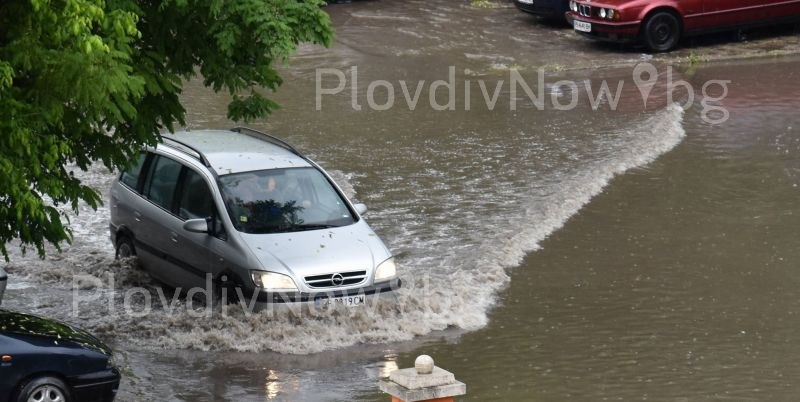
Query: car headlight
(273, 281)
(111, 363)
(608, 14)
(573, 6)
(387, 270)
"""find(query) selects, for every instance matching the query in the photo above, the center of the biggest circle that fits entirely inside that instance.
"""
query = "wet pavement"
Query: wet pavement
(636, 253)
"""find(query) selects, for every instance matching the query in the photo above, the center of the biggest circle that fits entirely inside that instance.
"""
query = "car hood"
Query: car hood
(349, 248)
(12, 323)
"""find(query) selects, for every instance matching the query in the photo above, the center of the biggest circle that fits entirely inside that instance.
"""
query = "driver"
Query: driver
(279, 190)
(271, 191)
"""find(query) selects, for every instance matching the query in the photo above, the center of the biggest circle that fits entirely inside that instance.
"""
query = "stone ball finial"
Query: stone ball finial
(424, 364)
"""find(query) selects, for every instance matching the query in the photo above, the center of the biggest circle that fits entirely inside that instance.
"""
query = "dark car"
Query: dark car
(549, 9)
(660, 24)
(44, 360)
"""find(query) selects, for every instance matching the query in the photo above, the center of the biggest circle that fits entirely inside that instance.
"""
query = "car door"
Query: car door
(202, 252)
(729, 13)
(777, 10)
(157, 221)
(126, 195)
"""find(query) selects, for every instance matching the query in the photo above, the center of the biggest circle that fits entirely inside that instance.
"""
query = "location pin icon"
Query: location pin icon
(645, 75)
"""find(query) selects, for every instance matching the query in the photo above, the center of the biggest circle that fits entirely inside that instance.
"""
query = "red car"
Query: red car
(660, 24)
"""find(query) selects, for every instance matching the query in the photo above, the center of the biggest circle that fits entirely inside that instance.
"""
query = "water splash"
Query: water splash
(452, 275)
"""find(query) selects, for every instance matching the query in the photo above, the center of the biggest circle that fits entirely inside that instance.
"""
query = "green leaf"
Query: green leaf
(93, 81)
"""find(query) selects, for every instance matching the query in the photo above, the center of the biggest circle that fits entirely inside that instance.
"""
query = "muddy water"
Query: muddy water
(583, 254)
(678, 282)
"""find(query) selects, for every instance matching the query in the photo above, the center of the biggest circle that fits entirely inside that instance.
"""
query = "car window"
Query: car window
(131, 176)
(283, 200)
(161, 182)
(196, 201)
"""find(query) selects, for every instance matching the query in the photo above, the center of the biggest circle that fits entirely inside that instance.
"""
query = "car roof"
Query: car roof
(233, 152)
(15, 324)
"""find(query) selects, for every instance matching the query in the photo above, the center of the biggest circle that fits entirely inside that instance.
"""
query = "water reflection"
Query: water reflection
(272, 387)
(386, 367)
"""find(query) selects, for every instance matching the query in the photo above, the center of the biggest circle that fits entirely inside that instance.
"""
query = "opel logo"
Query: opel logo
(337, 279)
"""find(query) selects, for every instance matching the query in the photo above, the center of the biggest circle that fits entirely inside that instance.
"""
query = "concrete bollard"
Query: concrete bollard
(424, 382)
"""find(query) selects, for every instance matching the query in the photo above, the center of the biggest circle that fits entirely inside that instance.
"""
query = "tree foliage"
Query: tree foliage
(83, 81)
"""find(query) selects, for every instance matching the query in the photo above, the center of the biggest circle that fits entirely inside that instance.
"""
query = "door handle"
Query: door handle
(137, 216)
(173, 236)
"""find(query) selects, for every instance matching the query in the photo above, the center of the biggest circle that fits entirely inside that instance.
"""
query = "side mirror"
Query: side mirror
(196, 226)
(361, 208)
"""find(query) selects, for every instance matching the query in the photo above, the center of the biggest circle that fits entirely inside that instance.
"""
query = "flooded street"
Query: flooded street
(585, 254)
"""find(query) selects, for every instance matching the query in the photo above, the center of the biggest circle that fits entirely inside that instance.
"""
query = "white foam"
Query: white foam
(19, 285)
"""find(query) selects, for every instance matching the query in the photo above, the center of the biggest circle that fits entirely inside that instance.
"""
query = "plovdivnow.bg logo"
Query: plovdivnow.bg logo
(562, 95)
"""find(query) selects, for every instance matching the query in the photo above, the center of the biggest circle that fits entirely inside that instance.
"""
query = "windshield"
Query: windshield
(283, 200)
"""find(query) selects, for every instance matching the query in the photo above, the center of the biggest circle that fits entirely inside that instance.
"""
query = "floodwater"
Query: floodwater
(635, 253)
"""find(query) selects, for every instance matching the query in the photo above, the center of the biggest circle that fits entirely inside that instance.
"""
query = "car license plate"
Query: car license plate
(347, 301)
(582, 26)
(526, 1)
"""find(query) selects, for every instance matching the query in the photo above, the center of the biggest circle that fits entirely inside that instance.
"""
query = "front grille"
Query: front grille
(585, 10)
(336, 279)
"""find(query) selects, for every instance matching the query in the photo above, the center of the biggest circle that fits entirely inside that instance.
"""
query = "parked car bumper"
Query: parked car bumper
(619, 32)
(544, 8)
(96, 387)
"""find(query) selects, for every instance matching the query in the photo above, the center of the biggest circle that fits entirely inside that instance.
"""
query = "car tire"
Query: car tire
(229, 283)
(662, 31)
(44, 389)
(125, 248)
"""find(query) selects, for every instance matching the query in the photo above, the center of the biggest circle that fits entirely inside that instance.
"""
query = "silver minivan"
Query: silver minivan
(242, 209)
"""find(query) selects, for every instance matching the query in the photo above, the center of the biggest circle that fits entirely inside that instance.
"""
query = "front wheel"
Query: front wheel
(125, 248)
(44, 389)
(227, 290)
(661, 32)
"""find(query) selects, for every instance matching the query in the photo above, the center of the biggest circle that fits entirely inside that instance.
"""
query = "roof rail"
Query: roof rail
(202, 158)
(267, 137)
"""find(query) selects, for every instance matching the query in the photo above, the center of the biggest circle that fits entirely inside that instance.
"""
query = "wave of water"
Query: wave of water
(452, 275)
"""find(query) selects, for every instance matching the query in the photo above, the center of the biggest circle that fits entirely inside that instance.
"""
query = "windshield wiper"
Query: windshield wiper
(289, 229)
(312, 227)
